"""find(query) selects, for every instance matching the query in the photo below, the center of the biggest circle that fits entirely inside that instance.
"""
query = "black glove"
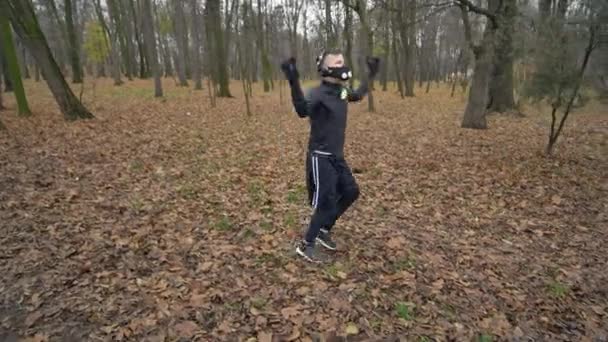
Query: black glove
(373, 65)
(290, 70)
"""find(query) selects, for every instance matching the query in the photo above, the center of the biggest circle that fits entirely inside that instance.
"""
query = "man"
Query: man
(332, 187)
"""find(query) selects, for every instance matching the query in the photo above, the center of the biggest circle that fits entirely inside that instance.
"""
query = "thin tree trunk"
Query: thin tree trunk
(387, 51)
(126, 30)
(150, 44)
(8, 49)
(475, 112)
(348, 37)
(266, 67)
(74, 49)
(554, 134)
(27, 28)
(1, 76)
(501, 86)
(113, 43)
(196, 45)
(181, 37)
(217, 34)
(137, 23)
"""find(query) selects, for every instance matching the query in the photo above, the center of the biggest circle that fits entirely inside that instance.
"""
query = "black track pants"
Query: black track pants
(331, 191)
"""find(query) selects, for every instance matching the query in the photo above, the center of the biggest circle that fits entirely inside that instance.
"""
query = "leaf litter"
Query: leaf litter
(150, 224)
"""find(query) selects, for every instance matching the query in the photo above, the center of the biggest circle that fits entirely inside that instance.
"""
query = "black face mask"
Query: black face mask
(341, 73)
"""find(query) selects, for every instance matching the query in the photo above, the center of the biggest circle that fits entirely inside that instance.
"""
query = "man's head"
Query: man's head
(331, 67)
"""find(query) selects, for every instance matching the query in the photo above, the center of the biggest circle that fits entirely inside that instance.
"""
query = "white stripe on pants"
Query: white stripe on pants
(315, 176)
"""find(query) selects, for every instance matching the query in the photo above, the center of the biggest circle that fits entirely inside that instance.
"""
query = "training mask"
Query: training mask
(341, 73)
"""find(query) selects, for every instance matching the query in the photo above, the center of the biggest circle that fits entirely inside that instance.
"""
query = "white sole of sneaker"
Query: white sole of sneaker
(306, 257)
(326, 245)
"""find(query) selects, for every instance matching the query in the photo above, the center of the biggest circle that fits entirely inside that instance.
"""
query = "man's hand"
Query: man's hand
(290, 70)
(373, 65)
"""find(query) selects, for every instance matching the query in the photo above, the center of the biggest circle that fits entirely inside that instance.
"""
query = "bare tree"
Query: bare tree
(7, 46)
(26, 26)
(150, 43)
(181, 37)
(196, 44)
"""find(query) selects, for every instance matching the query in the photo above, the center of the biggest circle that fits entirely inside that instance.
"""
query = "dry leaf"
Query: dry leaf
(186, 329)
(351, 329)
(264, 337)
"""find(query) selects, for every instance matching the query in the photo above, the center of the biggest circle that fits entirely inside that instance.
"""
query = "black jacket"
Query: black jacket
(326, 106)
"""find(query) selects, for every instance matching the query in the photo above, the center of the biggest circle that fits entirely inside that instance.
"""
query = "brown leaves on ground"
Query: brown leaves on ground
(163, 220)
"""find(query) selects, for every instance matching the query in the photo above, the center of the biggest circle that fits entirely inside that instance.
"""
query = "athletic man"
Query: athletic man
(331, 185)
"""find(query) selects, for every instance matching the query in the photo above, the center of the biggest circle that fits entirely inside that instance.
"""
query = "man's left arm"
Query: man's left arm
(358, 94)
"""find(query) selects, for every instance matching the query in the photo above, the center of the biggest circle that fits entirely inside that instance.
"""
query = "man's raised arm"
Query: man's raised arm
(302, 106)
(373, 64)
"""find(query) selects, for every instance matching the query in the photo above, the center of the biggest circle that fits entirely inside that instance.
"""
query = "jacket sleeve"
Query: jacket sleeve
(359, 93)
(303, 106)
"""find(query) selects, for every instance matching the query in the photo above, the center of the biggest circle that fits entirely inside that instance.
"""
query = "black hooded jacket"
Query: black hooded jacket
(326, 106)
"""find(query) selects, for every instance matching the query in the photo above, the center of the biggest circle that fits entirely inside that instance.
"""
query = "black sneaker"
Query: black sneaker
(308, 252)
(325, 240)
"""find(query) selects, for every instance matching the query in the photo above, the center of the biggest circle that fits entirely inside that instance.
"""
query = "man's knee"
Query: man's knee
(352, 193)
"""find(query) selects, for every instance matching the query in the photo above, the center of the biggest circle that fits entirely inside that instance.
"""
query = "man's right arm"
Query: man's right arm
(302, 105)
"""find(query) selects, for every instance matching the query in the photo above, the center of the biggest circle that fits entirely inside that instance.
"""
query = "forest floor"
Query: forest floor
(164, 220)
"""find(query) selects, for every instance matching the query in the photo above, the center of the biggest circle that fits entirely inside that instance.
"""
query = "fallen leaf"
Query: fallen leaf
(264, 337)
(556, 199)
(186, 329)
(32, 318)
(351, 329)
(396, 242)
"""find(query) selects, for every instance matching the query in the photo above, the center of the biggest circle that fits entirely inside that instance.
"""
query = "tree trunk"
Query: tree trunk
(1, 75)
(181, 37)
(501, 86)
(410, 66)
(348, 37)
(8, 85)
(150, 44)
(27, 28)
(266, 67)
(113, 43)
(196, 45)
(74, 49)
(387, 51)
(8, 48)
(475, 112)
(365, 48)
(119, 36)
(217, 35)
(137, 23)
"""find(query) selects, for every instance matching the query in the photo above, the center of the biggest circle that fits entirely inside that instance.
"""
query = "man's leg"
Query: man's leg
(309, 178)
(347, 189)
(323, 201)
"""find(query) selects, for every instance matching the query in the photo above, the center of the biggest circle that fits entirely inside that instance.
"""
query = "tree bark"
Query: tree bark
(348, 37)
(150, 44)
(8, 85)
(217, 38)
(138, 22)
(266, 67)
(410, 62)
(74, 49)
(181, 37)
(1, 76)
(196, 45)
(113, 43)
(8, 48)
(501, 87)
(475, 112)
(27, 28)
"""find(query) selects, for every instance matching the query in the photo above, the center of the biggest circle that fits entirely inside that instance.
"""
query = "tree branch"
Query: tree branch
(477, 9)
(467, 27)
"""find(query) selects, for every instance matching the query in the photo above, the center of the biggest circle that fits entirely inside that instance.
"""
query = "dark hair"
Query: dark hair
(323, 56)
